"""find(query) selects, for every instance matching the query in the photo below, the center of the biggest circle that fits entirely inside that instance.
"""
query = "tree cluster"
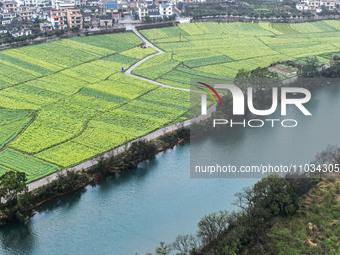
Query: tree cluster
(226, 233)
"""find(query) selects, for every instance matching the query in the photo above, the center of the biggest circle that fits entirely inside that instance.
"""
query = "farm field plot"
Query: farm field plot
(66, 101)
(111, 129)
(221, 49)
(56, 103)
(26, 63)
(35, 168)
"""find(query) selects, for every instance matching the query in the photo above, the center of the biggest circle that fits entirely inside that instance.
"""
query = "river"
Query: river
(132, 211)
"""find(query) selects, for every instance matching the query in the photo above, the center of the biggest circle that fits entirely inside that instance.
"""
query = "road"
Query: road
(159, 51)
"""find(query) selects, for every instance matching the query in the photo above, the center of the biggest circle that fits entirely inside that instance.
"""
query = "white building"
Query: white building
(31, 2)
(302, 7)
(3, 30)
(183, 20)
(165, 9)
(154, 11)
(194, 1)
(6, 21)
(316, 5)
(57, 19)
(142, 10)
(7, 17)
(10, 6)
(20, 32)
(25, 12)
(65, 4)
(329, 4)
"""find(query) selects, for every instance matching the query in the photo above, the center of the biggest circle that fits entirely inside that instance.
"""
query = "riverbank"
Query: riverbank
(119, 207)
(92, 162)
(199, 127)
(122, 158)
(311, 229)
(67, 181)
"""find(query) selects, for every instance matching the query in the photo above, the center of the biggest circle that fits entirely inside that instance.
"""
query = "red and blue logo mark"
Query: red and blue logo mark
(209, 93)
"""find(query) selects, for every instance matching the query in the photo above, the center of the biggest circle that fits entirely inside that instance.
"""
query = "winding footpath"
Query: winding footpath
(159, 51)
(157, 133)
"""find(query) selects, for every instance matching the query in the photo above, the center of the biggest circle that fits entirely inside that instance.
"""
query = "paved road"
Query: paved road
(159, 51)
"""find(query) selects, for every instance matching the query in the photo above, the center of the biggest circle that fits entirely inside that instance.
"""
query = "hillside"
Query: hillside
(315, 229)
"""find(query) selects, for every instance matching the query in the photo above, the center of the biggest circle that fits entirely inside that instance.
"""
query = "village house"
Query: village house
(316, 5)
(10, 6)
(3, 30)
(74, 18)
(25, 12)
(16, 32)
(57, 19)
(87, 17)
(106, 21)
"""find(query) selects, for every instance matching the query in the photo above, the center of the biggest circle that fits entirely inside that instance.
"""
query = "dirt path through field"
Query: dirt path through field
(159, 51)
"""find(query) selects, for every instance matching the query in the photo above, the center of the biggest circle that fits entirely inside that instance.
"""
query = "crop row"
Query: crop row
(23, 64)
(35, 168)
(223, 48)
(139, 117)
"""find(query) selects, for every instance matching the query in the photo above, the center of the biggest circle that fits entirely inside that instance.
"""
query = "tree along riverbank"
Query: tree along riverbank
(18, 203)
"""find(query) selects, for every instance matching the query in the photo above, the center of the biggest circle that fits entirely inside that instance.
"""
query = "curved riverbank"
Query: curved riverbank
(132, 211)
(125, 213)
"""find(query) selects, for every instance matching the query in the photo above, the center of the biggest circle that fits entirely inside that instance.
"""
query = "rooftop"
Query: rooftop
(112, 5)
(105, 17)
(9, 2)
(89, 7)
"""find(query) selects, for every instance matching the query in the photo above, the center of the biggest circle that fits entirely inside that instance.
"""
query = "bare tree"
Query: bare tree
(212, 225)
(184, 244)
(163, 249)
(244, 200)
(324, 159)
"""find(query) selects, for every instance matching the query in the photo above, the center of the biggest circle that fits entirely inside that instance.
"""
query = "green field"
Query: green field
(66, 101)
(221, 49)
